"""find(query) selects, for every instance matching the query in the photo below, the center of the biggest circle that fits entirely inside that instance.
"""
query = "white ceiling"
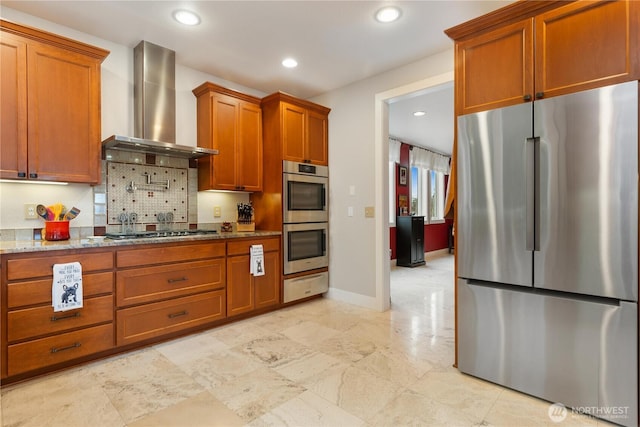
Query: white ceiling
(335, 42)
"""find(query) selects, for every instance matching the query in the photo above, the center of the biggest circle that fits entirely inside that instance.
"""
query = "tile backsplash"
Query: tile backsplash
(148, 191)
(147, 185)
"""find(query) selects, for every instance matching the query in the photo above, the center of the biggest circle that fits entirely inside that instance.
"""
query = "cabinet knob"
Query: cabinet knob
(33, 175)
(527, 98)
(539, 95)
(22, 174)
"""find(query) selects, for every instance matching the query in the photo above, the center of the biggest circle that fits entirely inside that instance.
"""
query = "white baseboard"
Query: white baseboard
(352, 298)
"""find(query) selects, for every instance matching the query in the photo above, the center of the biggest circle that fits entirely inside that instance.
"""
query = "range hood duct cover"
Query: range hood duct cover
(154, 92)
(154, 99)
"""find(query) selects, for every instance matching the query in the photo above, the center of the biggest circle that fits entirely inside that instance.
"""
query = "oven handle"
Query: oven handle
(324, 242)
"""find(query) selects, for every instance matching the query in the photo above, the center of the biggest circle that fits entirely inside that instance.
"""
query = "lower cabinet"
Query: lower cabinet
(36, 336)
(410, 241)
(132, 296)
(50, 351)
(153, 320)
(166, 289)
(246, 292)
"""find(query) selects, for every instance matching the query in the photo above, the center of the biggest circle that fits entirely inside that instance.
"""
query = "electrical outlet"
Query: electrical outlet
(217, 213)
(30, 211)
(368, 212)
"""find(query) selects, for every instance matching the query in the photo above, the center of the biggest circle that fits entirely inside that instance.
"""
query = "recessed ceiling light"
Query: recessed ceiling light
(186, 17)
(419, 113)
(289, 63)
(388, 14)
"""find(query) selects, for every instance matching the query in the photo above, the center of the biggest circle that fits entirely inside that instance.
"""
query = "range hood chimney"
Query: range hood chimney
(154, 98)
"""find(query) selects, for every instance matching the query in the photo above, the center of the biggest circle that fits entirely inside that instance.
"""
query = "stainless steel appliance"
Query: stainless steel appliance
(154, 98)
(159, 233)
(304, 192)
(305, 246)
(548, 249)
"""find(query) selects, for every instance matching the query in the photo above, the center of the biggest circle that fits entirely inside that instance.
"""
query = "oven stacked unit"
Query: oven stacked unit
(305, 230)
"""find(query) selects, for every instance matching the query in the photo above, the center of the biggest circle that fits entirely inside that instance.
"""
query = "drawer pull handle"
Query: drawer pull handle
(178, 314)
(181, 279)
(69, 316)
(72, 346)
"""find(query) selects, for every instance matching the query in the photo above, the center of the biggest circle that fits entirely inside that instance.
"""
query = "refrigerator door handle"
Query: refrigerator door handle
(532, 194)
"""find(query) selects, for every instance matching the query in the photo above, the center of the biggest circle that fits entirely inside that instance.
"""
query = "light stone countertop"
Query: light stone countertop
(21, 246)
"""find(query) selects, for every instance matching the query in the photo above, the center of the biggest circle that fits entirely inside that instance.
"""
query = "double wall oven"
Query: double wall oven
(305, 228)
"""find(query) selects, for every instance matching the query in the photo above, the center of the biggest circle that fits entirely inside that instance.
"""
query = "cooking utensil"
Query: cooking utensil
(42, 212)
(57, 210)
(72, 213)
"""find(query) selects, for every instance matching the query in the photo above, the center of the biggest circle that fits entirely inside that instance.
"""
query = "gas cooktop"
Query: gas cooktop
(154, 234)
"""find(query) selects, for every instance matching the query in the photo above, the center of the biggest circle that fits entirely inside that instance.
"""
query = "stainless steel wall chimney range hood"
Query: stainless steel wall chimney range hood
(154, 98)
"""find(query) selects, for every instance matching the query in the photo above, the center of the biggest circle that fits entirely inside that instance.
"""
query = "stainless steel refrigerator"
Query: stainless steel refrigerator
(548, 249)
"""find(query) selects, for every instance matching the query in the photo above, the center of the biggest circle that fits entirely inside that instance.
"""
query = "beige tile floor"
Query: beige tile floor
(322, 363)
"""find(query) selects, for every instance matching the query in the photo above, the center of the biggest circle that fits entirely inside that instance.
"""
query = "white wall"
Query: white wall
(117, 118)
(355, 254)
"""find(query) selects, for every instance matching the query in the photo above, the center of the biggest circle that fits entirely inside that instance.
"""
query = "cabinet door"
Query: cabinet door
(293, 132)
(239, 285)
(585, 45)
(250, 148)
(417, 239)
(13, 107)
(495, 69)
(317, 139)
(267, 287)
(225, 134)
(63, 115)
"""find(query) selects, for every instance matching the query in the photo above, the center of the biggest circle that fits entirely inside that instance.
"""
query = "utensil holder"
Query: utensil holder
(56, 230)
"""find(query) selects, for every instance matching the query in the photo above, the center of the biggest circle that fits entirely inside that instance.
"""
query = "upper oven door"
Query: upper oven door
(304, 198)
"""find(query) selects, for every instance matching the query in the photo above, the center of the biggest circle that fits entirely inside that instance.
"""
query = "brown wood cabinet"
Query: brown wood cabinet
(36, 337)
(297, 129)
(159, 290)
(50, 107)
(230, 122)
(246, 292)
(133, 295)
(541, 49)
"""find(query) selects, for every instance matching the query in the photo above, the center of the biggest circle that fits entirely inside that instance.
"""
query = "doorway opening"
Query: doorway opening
(382, 201)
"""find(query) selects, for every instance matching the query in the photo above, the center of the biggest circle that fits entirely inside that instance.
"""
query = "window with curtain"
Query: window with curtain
(427, 184)
(394, 158)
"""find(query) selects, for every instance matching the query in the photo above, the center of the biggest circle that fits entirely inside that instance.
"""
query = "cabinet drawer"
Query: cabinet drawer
(39, 291)
(305, 286)
(31, 322)
(166, 254)
(161, 318)
(243, 247)
(48, 351)
(26, 268)
(151, 284)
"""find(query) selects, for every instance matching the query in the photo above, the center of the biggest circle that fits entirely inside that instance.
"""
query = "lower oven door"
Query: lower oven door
(305, 246)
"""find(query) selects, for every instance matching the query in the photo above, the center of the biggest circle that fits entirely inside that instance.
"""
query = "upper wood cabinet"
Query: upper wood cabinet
(230, 122)
(532, 50)
(299, 128)
(50, 107)
(585, 45)
(496, 68)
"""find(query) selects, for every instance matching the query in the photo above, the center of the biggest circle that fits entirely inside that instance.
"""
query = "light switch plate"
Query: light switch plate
(369, 212)
(217, 213)
(350, 211)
